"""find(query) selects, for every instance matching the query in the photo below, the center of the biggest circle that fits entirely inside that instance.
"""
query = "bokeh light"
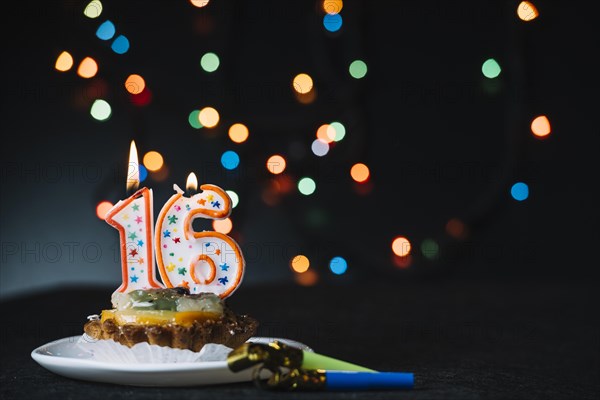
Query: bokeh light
(153, 160)
(209, 117)
(209, 62)
(102, 208)
(302, 83)
(230, 160)
(456, 228)
(300, 263)
(222, 225)
(319, 147)
(276, 164)
(64, 62)
(135, 84)
(326, 133)
(100, 110)
(143, 172)
(309, 278)
(235, 199)
(519, 191)
(88, 68)
(332, 22)
(307, 186)
(430, 249)
(333, 6)
(360, 172)
(106, 30)
(143, 98)
(527, 11)
(339, 129)
(194, 119)
(358, 69)
(540, 126)
(93, 9)
(401, 246)
(490, 68)
(199, 3)
(338, 265)
(238, 133)
(120, 45)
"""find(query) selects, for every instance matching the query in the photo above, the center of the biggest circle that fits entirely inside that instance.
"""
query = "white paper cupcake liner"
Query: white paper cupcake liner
(144, 353)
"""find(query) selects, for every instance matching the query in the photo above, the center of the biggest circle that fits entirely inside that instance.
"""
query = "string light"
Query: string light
(339, 129)
(319, 147)
(199, 3)
(230, 160)
(519, 191)
(360, 172)
(332, 22)
(307, 186)
(222, 225)
(338, 265)
(333, 6)
(194, 119)
(120, 45)
(235, 199)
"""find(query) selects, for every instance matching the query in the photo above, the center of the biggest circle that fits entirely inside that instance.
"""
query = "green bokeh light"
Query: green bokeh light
(340, 130)
(307, 186)
(358, 69)
(430, 249)
(101, 110)
(194, 120)
(491, 69)
(209, 62)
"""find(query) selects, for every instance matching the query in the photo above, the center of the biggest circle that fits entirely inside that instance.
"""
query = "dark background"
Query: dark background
(441, 140)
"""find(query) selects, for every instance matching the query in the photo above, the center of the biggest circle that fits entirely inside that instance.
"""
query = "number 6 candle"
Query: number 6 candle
(133, 218)
(200, 261)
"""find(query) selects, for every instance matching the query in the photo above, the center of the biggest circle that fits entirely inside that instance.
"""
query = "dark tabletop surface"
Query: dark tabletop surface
(465, 340)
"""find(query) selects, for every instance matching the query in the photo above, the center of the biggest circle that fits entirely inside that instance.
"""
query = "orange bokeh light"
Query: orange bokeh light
(326, 133)
(238, 133)
(222, 225)
(153, 161)
(401, 246)
(360, 172)
(276, 164)
(88, 68)
(64, 62)
(540, 126)
(302, 83)
(102, 208)
(300, 263)
(135, 84)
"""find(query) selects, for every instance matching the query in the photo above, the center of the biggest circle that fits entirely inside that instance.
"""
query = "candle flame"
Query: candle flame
(192, 182)
(133, 169)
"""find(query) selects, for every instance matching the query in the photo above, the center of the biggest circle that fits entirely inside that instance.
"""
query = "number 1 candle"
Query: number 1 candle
(133, 218)
(200, 261)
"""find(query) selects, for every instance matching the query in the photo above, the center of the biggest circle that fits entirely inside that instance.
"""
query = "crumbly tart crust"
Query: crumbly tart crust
(230, 330)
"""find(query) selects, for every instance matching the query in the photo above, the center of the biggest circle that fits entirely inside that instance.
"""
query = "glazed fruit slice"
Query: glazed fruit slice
(157, 317)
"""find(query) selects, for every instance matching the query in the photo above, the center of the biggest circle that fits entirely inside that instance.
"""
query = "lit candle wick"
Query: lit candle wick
(133, 170)
(191, 185)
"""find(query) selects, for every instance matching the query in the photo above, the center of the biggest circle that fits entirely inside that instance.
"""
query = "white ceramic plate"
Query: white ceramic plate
(65, 358)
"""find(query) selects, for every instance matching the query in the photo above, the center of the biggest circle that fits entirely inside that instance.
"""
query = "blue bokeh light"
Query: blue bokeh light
(332, 22)
(120, 45)
(519, 191)
(230, 160)
(338, 265)
(143, 173)
(106, 30)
